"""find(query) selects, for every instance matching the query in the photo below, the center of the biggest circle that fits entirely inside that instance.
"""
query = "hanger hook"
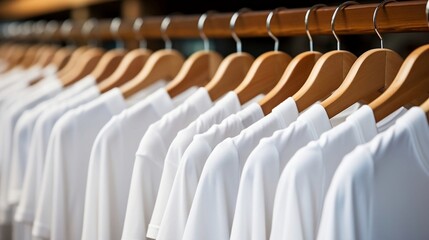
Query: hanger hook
(374, 20)
(87, 27)
(427, 12)
(115, 25)
(232, 23)
(334, 16)
(268, 26)
(50, 28)
(164, 26)
(306, 20)
(138, 23)
(201, 20)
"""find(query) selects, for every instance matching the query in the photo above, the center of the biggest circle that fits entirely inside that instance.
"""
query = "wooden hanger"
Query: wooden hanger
(295, 75)
(130, 66)
(198, 69)
(372, 72)
(425, 107)
(161, 65)
(73, 60)
(327, 74)
(61, 57)
(229, 74)
(83, 67)
(232, 69)
(132, 63)
(107, 64)
(411, 82)
(265, 71)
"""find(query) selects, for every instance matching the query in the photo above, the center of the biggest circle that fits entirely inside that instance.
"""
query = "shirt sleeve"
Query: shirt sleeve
(213, 207)
(183, 190)
(144, 187)
(346, 211)
(252, 219)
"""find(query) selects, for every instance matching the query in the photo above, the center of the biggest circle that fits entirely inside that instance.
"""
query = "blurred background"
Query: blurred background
(24, 10)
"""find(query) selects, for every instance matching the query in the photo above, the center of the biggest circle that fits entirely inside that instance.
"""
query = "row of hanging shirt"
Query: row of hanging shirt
(85, 156)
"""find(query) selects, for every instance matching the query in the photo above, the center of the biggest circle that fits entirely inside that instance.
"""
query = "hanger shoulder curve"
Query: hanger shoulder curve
(197, 70)
(83, 67)
(229, 74)
(130, 66)
(327, 75)
(61, 57)
(263, 75)
(161, 65)
(292, 79)
(369, 75)
(73, 59)
(411, 82)
(107, 64)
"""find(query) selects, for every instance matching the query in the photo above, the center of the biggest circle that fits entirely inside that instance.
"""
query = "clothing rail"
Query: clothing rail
(406, 16)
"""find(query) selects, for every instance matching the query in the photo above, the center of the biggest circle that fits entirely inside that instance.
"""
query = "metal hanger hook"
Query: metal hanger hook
(268, 26)
(306, 20)
(164, 26)
(201, 20)
(374, 19)
(427, 12)
(87, 27)
(232, 23)
(334, 16)
(115, 24)
(138, 23)
(66, 27)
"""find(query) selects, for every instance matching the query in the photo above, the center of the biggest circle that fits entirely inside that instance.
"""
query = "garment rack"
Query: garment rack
(407, 16)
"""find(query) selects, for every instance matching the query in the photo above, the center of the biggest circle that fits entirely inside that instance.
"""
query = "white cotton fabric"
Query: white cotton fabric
(213, 206)
(23, 132)
(255, 200)
(59, 213)
(304, 181)
(10, 119)
(191, 165)
(379, 190)
(149, 162)
(25, 211)
(226, 106)
(111, 165)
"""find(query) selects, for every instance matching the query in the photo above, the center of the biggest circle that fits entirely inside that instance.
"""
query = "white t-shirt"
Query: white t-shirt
(380, 189)
(25, 211)
(226, 106)
(150, 161)
(255, 200)
(213, 206)
(60, 205)
(304, 181)
(111, 165)
(191, 165)
(9, 119)
(23, 131)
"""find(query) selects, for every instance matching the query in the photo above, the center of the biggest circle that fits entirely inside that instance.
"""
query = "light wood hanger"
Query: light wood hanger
(372, 72)
(161, 65)
(61, 57)
(107, 64)
(295, 74)
(327, 74)
(411, 82)
(131, 65)
(198, 69)
(425, 107)
(74, 58)
(83, 67)
(265, 71)
(231, 70)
